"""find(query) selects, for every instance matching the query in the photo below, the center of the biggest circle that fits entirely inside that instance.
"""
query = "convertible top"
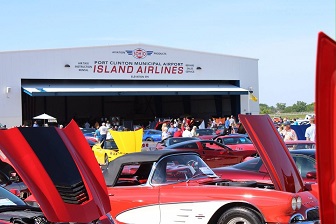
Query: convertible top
(114, 167)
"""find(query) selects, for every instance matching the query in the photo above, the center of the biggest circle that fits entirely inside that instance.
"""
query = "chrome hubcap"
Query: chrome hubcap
(238, 220)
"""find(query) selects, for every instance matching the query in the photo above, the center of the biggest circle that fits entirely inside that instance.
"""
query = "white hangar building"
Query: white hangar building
(135, 82)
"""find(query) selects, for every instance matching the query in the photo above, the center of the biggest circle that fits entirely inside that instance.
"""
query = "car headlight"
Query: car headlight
(294, 203)
(298, 202)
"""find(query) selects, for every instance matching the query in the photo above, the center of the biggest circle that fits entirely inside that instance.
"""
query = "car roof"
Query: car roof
(113, 169)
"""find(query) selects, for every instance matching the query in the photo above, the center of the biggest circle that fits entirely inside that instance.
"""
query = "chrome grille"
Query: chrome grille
(313, 214)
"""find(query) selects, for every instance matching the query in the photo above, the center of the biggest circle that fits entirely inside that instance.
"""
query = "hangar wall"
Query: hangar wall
(120, 62)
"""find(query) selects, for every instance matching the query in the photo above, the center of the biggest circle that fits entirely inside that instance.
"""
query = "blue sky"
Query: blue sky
(281, 34)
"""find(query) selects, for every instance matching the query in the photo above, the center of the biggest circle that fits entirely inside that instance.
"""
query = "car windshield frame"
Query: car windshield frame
(174, 169)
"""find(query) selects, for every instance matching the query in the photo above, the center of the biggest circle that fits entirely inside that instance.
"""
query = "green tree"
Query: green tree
(280, 107)
(265, 109)
(300, 106)
(310, 107)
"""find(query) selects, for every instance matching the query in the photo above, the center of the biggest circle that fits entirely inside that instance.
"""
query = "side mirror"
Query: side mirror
(311, 175)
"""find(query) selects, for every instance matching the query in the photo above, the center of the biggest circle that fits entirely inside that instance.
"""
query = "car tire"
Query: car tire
(240, 215)
(149, 139)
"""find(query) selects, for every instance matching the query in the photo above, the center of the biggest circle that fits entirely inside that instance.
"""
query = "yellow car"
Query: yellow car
(122, 142)
(105, 151)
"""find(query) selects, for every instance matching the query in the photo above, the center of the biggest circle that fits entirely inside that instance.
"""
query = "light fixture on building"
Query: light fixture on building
(67, 66)
(8, 90)
(198, 68)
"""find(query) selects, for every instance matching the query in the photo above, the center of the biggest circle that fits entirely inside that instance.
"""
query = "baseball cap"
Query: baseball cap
(287, 123)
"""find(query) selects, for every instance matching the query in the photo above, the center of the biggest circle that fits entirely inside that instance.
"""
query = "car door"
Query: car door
(131, 203)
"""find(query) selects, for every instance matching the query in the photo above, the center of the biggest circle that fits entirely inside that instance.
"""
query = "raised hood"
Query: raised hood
(60, 170)
(128, 141)
(325, 126)
(273, 151)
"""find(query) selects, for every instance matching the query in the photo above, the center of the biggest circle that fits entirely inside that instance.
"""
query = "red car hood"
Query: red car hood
(273, 151)
(61, 171)
(325, 126)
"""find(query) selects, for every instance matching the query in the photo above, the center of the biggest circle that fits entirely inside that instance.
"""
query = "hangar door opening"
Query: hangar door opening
(129, 100)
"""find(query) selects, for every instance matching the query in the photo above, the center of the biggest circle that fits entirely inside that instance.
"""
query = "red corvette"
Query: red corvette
(175, 186)
(254, 169)
(60, 170)
(214, 153)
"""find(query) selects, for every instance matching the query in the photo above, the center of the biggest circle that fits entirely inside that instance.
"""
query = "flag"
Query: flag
(253, 97)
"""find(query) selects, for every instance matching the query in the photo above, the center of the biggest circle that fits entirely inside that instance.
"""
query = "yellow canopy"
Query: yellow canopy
(128, 141)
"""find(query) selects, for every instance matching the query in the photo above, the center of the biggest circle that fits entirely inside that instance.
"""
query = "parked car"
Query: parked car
(254, 169)
(61, 172)
(300, 144)
(214, 153)
(168, 186)
(173, 140)
(14, 183)
(88, 131)
(205, 133)
(10, 180)
(236, 141)
(105, 151)
(152, 135)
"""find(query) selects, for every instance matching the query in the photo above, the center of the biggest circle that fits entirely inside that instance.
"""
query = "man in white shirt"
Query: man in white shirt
(186, 132)
(103, 132)
(310, 131)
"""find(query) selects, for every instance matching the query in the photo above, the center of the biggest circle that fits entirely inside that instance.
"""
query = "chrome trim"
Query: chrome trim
(303, 220)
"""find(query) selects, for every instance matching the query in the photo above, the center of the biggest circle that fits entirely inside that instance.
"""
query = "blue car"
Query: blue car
(152, 135)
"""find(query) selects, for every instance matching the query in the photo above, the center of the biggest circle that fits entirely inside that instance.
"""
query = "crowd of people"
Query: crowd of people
(289, 134)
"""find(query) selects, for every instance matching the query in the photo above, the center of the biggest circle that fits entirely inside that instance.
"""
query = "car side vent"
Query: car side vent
(73, 194)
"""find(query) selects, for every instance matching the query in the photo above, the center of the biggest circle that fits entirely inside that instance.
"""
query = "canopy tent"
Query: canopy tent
(44, 117)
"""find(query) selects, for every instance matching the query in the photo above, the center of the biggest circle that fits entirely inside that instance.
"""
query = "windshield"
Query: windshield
(177, 168)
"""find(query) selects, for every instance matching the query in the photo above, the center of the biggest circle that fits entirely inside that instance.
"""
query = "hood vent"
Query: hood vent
(73, 194)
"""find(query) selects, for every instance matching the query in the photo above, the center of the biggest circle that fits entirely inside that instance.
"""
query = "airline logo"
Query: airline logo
(139, 53)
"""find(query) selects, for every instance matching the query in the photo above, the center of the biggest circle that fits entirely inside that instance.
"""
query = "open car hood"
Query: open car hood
(60, 170)
(325, 126)
(273, 151)
(128, 141)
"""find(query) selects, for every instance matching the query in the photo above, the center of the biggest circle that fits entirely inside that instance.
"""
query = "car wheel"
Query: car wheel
(240, 215)
(149, 139)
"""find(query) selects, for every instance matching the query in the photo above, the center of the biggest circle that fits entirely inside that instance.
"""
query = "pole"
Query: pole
(248, 103)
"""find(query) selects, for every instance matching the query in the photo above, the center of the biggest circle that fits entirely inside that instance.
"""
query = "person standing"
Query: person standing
(165, 133)
(186, 132)
(103, 132)
(288, 133)
(172, 129)
(87, 125)
(178, 133)
(227, 126)
(35, 125)
(232, 124)
(310, 131)
(193, 132)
